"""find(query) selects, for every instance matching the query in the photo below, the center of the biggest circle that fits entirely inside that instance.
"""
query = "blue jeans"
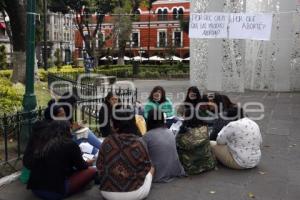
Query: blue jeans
(47, 195)
(92, 140)
(171, 121)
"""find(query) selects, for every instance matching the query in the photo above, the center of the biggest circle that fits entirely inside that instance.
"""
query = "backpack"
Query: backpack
(194, 150)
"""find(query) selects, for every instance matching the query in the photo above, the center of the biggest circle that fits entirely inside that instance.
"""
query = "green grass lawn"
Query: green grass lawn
(41, 91)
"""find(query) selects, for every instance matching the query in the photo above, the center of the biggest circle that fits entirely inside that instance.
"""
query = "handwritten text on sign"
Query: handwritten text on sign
(208, 25)
(255, 26)
(250, 26)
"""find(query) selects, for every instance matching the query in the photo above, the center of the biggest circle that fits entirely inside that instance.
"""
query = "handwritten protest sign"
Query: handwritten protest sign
(256, 26)
(208, 25)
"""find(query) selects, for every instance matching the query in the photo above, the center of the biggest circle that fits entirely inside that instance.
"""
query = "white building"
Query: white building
(60, 35)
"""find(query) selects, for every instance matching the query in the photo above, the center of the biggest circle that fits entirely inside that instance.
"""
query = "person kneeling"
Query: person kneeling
(238, 144)
(123, 163)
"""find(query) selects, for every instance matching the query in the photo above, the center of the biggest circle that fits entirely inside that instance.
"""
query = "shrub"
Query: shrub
(3, 57)
(58, 60)
(5, 73)
(10, 96)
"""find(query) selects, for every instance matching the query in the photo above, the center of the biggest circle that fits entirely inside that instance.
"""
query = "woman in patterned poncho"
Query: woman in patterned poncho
(123, 162)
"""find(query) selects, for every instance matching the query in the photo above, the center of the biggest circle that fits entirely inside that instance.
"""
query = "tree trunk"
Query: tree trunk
(121, 52)
(121, 58)
(19, 66)
(16, 10)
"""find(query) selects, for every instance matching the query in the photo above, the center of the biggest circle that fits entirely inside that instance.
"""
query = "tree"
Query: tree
(16, 10)
(89, 16)
(124, 16)
(121, 32)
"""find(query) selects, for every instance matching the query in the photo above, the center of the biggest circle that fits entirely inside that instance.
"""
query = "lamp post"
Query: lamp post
(45, 35)
(141, 51)
(29, 99)
(130, 43)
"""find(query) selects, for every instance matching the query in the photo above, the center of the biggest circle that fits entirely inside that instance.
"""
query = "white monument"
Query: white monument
(239, 65)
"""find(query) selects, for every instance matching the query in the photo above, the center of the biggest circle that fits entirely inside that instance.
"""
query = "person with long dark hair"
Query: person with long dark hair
(161, 145)
(105, 113)
(63, 110)
(158, 100)
(193, 108)
(123, 159)
(228, 112)
(56, 166)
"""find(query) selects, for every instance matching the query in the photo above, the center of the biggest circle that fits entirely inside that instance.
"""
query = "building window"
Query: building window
(47, 35)
(160, 15)
(55, 36)
(56, 19)
(137, 15)
(177, 36)
(175, 14)
(135, 38)
(165, 14)
(162, 38)
(180, 13)
(100, 39)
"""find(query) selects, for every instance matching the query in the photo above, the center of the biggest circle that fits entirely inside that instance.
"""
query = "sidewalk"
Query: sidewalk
(276, 178)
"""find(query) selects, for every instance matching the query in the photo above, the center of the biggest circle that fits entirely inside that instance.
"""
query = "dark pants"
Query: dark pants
(46, 195)
(72, 185)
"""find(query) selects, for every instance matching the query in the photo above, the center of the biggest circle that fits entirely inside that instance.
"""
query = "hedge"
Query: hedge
(120, 71)
(6, 73)
(10, 96)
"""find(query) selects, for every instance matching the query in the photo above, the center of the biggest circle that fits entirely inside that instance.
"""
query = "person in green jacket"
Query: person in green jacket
(158, 100)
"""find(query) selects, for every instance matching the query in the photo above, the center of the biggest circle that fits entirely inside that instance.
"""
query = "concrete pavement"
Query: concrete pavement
(276, 178)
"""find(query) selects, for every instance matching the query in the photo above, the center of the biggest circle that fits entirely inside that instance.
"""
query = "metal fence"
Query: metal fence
(12, 127)
(88, 88)
(90, 95)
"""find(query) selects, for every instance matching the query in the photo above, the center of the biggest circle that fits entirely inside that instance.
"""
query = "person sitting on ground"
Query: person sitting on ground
(81, 135)
(228, 112)
(105, 114)
(124, 161)
(54, 111)
(56, 166)
(161, 143)
(193, 108)
(238, 144)
(158, 100)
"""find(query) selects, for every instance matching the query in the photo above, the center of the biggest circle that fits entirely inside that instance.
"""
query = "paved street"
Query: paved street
(276, 178)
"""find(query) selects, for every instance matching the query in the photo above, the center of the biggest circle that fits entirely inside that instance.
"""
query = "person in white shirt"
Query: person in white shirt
(238, 144)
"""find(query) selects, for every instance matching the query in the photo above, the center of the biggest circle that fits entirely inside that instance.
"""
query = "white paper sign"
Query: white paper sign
(256, 26)
(208, 25)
